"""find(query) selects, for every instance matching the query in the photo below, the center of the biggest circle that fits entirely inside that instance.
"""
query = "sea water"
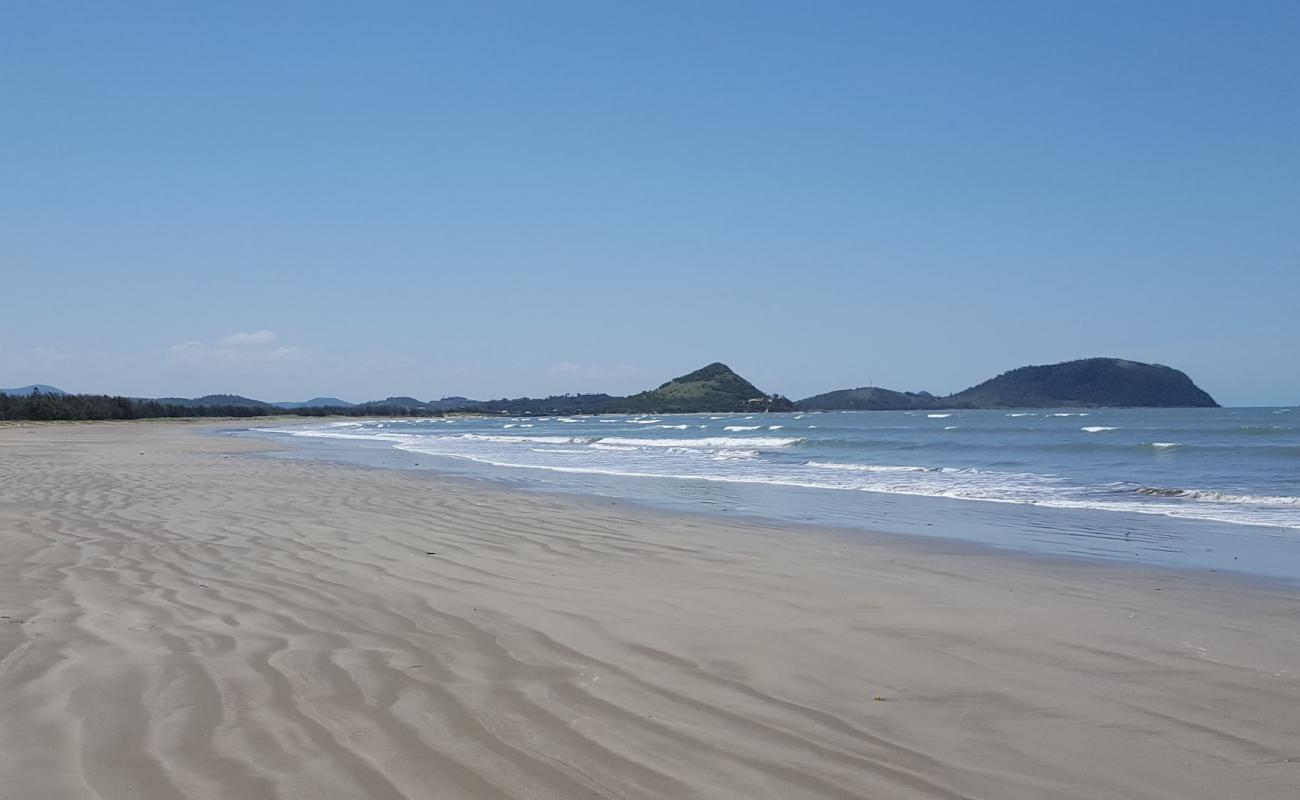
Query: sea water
(1193, 487)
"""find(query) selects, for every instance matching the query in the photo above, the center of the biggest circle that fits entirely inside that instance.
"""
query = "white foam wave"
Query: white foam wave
(1097, 429)
(735, 455)
(740, 428)
(707, 442)
(520, 439)
(1209, 496)
(867, 467)
(938, 416)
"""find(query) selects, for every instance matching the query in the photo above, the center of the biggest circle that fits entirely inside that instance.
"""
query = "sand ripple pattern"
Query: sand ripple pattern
(185, 620)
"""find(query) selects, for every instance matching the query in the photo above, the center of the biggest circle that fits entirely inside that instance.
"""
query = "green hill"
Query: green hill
(208, 400)
(868, 398)
(36, 388)
(1086, 382)
(715, 387)
(316, 402)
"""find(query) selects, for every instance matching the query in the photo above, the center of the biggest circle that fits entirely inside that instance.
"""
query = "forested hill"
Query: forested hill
(1088, 382)
(713, 388)
(868, 398)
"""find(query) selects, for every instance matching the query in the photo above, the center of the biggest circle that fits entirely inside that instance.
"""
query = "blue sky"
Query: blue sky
(291, 199)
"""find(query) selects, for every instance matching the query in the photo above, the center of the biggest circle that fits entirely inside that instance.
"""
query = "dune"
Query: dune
(181, 617)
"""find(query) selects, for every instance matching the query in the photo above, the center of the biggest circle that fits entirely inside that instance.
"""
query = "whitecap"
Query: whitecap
(734, 455)
(867, 467)
(739, 428)
(1097, 429)
(519, 439)
(938, 416)
(702, 443)
(1210, 496)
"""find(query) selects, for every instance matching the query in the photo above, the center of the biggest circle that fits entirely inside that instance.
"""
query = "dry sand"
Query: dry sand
(180, 622)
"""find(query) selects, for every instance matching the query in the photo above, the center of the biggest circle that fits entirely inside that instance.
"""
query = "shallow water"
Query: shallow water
(1216, 488)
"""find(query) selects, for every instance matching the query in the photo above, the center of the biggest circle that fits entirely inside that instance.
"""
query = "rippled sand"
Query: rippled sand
(181, 619)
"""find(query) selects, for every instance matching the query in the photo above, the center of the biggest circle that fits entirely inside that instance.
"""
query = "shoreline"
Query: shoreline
(385, 456)
(193, 622)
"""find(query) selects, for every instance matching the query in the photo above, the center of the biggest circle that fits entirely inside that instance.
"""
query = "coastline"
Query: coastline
(186, 621)
(1017, 529)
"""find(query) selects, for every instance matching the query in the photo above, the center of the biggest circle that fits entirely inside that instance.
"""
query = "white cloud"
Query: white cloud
(234, 350)
(566, 368)
(249, 339)
(186, 353)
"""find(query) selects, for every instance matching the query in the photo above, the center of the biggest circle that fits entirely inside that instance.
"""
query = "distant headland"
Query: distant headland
(1085, 383)
(715, 388)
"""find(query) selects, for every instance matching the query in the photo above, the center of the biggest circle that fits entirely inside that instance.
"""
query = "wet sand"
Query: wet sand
(182, 618)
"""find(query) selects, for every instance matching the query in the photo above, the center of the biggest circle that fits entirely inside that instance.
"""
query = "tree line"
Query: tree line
(41, 406)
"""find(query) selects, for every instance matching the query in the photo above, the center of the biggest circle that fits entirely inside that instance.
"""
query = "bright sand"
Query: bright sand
(184, 619)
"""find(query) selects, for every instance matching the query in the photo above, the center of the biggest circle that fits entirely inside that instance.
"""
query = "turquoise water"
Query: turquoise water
(1197, 487)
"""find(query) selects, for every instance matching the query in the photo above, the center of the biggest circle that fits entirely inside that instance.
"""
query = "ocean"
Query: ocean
(1201, 488)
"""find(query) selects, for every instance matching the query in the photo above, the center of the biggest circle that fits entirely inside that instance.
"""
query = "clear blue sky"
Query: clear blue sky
(291, 199)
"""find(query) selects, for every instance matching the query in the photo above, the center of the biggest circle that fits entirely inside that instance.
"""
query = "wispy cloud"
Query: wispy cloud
(249, 339)
(245, 348)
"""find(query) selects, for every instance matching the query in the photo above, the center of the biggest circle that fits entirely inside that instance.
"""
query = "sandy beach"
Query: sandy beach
(181, 617)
